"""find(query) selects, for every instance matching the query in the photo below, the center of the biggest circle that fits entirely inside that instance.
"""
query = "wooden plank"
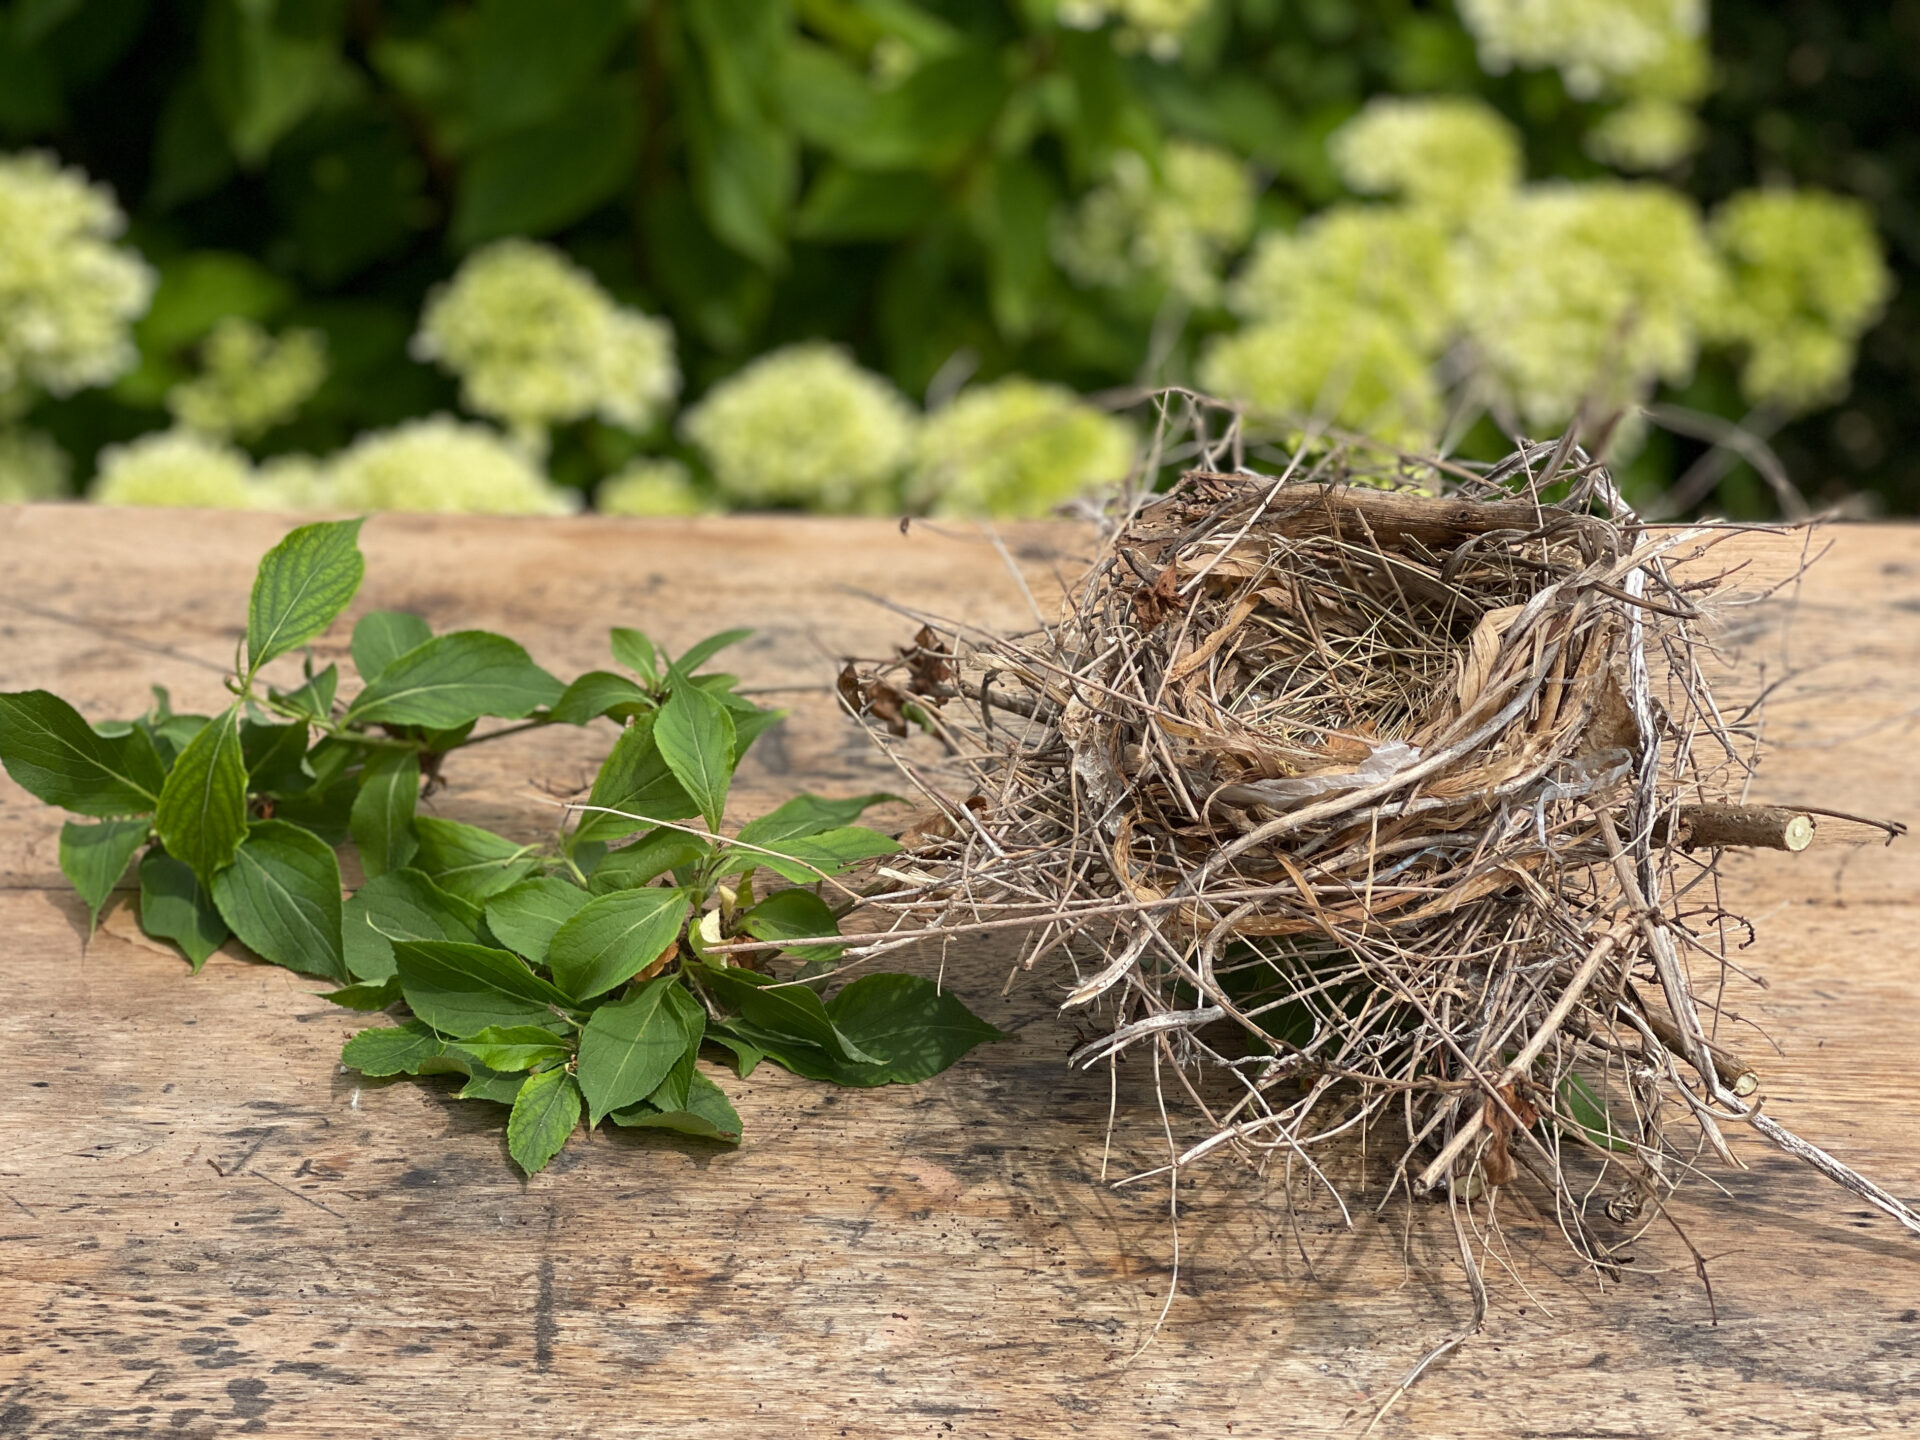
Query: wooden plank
(206, 1227)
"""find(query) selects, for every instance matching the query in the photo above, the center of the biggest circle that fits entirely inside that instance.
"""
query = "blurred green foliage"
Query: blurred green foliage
(890, 175)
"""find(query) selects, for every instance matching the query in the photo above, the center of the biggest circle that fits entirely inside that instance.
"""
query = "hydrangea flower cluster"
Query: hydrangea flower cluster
(1645, 134)
(1639, 47)
(650, 486)
(249, 381)
(68, 295)
(32, 466)
(1450, 153)
(177, 467)
(536, 342)
(1156, 26)
(804, 425)
(1176, 228)
(1807, 280)
(1015, 449)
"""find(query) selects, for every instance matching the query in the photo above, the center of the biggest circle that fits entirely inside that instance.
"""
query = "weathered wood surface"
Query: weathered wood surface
(206, 1227)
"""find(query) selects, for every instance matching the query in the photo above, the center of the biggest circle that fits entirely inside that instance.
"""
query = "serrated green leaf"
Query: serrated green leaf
(452, 679)
(175, 906)
(392, 1049)
(635, 780)
(490, 1085)
(630, 1045)
(701, 651)
(635, 651)
(202, 817)
(706, 1113)
(302, 584)
(805, 859)
(911, 1025)
(460, 990)
(695, 734)
(400, 905)
(466, 861)
(53, 754)
(807, 815)
(597, 693)
(1589, 1115)
(545, 1111)
(509, 1049)
(647, 859)
(313, 699)
(94, 857)
(382, 820)
(525, 917)
(366, 995)
(381, 637)
(275, 756)
(788, 915)
(746, 1055)
(613, 938)
(281, 896)
(791, 1010)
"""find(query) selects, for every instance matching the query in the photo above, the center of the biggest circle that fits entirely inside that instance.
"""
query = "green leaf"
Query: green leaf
(302, 584)
(381, 637)
(792, 1010)
(392, 1049)
(382, 820)
(175, 906)
(545, 176)
(934, 117)
(706, 1113)
(485, 1084)
(635, 780)
(746, 1055)
(597, 693)
(366, 995)
(261, 79)
(525, 917)
(1589, 1115)
(528, 58)
(914, 1027)
(635, 651)
(702, 651)
(613, 938)
(313, 699)
(805, 859)
(275, 757)
(630, 1045)
(544, 1114)
(854, 205)
(647, 859)
(461, 989)
(55, 756)
(202, 817)
(94, 857)
(281, 896)
(512, 1048)
(790, 915)
(466, 861)
(695, 736)
(452, 679)
(400, 905)
(807, 815)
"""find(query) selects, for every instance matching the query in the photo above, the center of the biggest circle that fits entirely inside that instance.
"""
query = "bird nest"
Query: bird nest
(1381, 798)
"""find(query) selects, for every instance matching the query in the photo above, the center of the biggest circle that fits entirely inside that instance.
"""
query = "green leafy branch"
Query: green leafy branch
(578, 973)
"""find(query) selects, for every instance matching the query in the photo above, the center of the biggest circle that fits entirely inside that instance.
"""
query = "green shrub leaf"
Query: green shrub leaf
(545, 1110)
(525, 917)
(175, 906)
(302, 584)
(634, 780)
(695, 736)
(807, 815)
(281, 896)
(647, 859)
(381, 637)
(452, 679)
(94, 857)
(461, 990)
(400, 905)
(382, 818)
(706, 1113)
(613, 938)
(597, 693)
(202, 817)
(630, 1045)
(56, 756)
(392, 1049)
(793, 915)
(465, 860)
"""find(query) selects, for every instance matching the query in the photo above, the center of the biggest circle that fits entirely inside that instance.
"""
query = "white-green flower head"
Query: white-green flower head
(1448, 152)
(442, 464)
(293, 482)
(32, 466)
(804, 426)
(1175, 226)
(1645, 134)
(1805, 281)
(249, 381)
(1017, 448)
(1588, 292)
(536, 342)
(1397, 263)
(177, 467)
(68, 295)
(651, 485)
(1644, 47)
(1156, 26)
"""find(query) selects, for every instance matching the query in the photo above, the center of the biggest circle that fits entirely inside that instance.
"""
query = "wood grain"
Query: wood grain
(208, 1228)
